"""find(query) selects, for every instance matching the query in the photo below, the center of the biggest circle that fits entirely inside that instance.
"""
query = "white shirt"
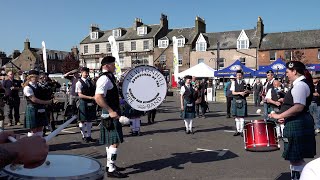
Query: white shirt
(79, 85)
(300, 91)
(183, 90)
(103, 85)
(233, 84)
(311, 171)
(27, 91)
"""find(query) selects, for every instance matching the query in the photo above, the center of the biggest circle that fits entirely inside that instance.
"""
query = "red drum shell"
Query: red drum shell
(260, 136)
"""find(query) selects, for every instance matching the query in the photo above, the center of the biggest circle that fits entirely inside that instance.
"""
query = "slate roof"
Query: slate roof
(291, 40)
(188, 33)
(127, 34)
(228, 39)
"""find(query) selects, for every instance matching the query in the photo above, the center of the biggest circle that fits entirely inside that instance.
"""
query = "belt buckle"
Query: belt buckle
(41, 110)
(90, 104)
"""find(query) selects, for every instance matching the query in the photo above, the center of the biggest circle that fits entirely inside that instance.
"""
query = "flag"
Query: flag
(115, 54)
(44, 56)
(175, 58)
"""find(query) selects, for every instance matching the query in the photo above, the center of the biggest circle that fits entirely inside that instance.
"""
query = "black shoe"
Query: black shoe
(89, 139)
(187, 132)
(116, 174)
(117, 168)
(191, 131)
(236, 134)
(228, 116)
(241, 134)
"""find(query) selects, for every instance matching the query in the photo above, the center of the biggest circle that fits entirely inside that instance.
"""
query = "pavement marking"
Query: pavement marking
(220, 152)
(231, 131)
(65, 131)
(70, 128)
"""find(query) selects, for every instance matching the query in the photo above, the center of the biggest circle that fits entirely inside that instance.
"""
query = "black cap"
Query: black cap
(85, 69)
(107, 60)
(33, 72)
(295, 65)
(188, 77)
(239, 71)
(270, 71)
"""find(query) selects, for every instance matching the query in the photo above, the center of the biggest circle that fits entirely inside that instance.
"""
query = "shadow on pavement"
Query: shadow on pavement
(284, 176)
(179, 159)
(71, 145)
(215, 129)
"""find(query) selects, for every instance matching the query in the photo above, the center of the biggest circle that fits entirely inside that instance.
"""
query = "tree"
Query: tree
(69, 63)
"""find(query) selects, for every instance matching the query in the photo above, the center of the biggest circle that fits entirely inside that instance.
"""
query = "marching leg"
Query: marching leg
(186, 123)
(82, 130)
(237, 126)
(241, 126)
(190, 126)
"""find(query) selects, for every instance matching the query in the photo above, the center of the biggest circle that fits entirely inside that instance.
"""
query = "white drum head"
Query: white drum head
(144, 88)
(60, 167)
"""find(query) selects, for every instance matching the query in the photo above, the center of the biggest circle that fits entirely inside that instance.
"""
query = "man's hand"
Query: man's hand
(114, 115)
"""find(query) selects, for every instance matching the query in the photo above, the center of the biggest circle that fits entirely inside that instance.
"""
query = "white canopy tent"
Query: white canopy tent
(199, 70)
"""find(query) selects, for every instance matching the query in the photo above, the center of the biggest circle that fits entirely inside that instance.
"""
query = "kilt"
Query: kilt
(189, 112)
(86, 113)
(110, 137)
(239, 109)
(301, 138)
(33, 118)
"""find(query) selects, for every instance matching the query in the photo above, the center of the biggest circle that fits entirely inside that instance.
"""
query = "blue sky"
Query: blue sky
(64, 23)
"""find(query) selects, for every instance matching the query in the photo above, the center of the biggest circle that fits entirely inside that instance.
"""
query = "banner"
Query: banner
(175, 58)
(44, 57)
(115, 54)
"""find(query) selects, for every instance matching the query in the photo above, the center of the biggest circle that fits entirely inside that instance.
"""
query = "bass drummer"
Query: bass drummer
(239, 102)
(299, 139)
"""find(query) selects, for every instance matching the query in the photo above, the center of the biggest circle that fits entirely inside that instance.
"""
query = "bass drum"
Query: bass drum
(144, 87)
(58, 167)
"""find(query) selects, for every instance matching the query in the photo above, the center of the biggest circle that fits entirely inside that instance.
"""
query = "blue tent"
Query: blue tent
(278, 67)
(232, 69)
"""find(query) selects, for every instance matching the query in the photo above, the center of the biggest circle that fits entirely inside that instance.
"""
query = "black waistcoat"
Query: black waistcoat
(288, 100)
(38, 93)
(239, 88)
(86, 90)
(188, 94)
(112, 97)
(45, 91)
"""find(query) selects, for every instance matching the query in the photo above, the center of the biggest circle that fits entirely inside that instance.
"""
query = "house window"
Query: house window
(163, 43)
(273, 55)
(116, 33)
(288, 55)
(318, 53)
(139, 60)
(94, 35)
(180, 42)
(85, 49)
(221, 62)
(180, 59)
(133, 46)
(96, 48)
(243, 44)
(242, 60)
(121, 46)
(201, 60)
(163, 59)
(108, 47)
(121, 60)
(145, 45)
(142, 30)
(53, 67)
(201, 46)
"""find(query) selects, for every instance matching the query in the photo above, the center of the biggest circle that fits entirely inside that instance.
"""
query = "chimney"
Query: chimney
(200, 25)
(75, 52)
(137, 23)
(15, 54)
(27, 44)
(94, 27)
(260, 28)
(164, 21)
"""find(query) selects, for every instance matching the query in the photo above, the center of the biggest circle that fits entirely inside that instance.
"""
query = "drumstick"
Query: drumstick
(60, 128)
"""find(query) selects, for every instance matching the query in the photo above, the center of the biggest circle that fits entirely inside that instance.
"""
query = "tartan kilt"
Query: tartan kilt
(301, 138)
(110, 137)
(87, 113)
(33, 119)
(239, 109)
(188, 113)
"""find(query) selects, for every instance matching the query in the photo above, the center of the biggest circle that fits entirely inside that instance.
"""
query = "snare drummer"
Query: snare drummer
(187, 101)
(299, 139)
(87, 109)
(36, 117)
(239, 102)
(107, 97)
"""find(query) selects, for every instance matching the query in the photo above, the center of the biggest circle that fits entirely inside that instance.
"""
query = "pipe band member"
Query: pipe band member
(239, 102)
(87, 108)
(107, 97)
(36, 116)
(187, 101)
(268, 85)
(299, 139)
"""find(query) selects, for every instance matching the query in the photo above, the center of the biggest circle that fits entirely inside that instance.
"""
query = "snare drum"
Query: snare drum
(260, 135)
(61, 167)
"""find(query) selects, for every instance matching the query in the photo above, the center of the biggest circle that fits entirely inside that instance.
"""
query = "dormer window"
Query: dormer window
(201, 44)
(142, 30)
(243, 41)
(163, 43)
(116, 33)
(94, 35)
(181, 42)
